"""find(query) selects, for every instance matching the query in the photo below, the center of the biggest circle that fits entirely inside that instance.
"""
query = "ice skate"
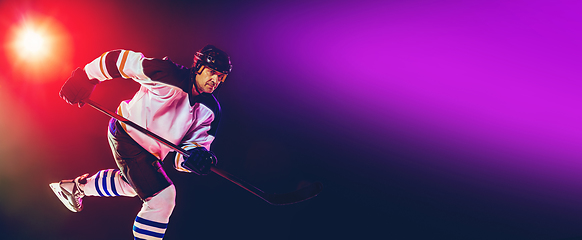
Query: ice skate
(70, 193)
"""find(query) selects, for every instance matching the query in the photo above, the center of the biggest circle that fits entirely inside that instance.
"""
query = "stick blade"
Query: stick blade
(300, 195)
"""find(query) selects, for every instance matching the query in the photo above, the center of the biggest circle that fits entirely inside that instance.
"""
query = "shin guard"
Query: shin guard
(152, 220)
(108, 183)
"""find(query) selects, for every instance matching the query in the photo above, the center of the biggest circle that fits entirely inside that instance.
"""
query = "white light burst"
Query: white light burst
(31, 42)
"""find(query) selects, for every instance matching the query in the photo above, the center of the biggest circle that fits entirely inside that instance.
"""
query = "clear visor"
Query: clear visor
(221, 76)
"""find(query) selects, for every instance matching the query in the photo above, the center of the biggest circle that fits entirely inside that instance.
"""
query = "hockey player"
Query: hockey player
(175, 103)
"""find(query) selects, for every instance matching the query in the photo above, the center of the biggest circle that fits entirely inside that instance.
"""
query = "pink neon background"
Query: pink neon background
(431, 119)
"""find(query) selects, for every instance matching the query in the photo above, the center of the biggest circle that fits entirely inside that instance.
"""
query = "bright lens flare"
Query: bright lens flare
(30, 43)
(38, 49)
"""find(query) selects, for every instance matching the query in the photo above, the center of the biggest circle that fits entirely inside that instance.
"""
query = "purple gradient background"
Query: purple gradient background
(423, 119)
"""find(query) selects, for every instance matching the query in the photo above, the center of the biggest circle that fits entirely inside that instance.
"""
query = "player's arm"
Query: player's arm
(198, 147)
(199, 161)
(198, 140)
(116, 64)
(77, 88)
(134, 65)
(121, 64)
(112, 64)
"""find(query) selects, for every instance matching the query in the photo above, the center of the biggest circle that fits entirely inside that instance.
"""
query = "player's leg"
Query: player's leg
(70, 192)
(142, 170)
(104, 183)
(152, 220)
(145, 173)
(108, 183)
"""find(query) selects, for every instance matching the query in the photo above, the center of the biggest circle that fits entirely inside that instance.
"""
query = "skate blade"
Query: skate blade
(56, 187)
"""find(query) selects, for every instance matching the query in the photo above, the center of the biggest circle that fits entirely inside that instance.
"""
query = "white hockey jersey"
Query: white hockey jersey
(164, 103)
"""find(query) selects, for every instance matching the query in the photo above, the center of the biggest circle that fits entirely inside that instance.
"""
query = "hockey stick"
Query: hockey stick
(299, 195)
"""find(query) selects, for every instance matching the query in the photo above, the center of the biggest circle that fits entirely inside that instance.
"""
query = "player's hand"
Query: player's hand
(200, 161)
(77, 88)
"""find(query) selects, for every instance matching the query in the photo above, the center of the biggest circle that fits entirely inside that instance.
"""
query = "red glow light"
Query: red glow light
(32, 45)
(38, 48)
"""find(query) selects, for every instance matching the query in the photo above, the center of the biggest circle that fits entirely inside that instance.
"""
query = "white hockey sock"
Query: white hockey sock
(152, 220)
(108, 183)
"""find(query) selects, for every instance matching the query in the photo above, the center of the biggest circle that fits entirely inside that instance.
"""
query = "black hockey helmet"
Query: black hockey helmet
(212, 57)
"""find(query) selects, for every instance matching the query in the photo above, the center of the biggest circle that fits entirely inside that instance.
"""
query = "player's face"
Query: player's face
(209, 79)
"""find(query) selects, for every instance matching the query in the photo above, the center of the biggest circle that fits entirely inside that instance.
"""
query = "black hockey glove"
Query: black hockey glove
(78, 88)
(200, 161)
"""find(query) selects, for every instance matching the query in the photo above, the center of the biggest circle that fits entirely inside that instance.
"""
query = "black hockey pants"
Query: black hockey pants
(139, 167)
